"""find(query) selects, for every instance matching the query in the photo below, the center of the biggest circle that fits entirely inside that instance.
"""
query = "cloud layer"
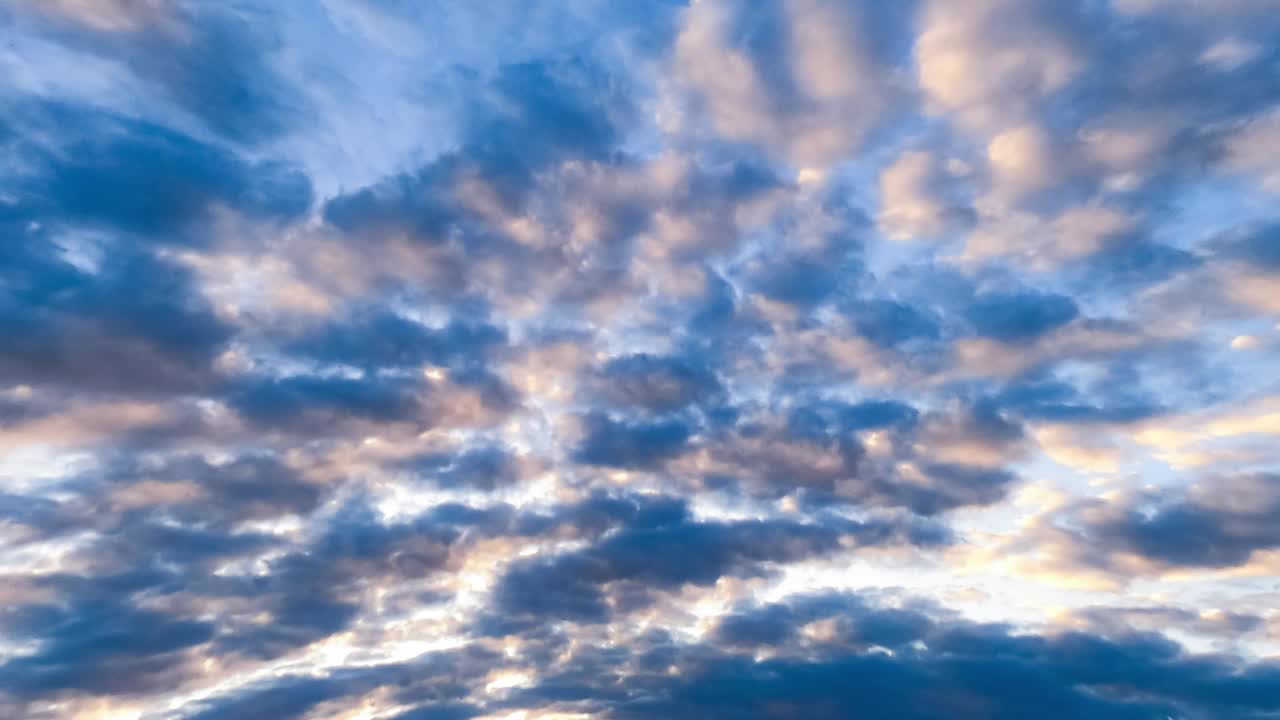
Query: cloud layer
(513, 361)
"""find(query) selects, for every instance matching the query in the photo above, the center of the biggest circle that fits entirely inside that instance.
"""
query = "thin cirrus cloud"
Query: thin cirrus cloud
(506, 360)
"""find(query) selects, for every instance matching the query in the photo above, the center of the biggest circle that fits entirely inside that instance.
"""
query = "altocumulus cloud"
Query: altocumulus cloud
(518, 360)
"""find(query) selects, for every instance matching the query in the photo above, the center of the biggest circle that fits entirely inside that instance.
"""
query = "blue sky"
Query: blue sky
(511, 360)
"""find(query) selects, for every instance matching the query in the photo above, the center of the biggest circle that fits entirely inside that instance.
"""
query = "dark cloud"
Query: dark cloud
(1058, 401)
(98, 622)
(1135, 263)
(853, 623)
(96, 646)
(303, 401)
(180, 513)
(31, 512)
(717, 307)
(532, 115)
(222, 73)
(815, 256)
(132, 323)
(105, 171)
(383, 339)
(801, 281)
(437, 683)
(95, 636)
(217, 66)
(305, 595)
(757, 629)
(1257, 245)
(674, 553)
(889, 323)
(953, 485)
(624, 444)
(602, 512)
(315, 591)
(1219, 524)
(812, 451)
(122, 627)
(1189, 534)
(1018, 317)
(1179, 90)
(878, 686)
(481, 468)
(1120, 620)
(154, 542)
(418, 204)
(939, 667)
(827, 653)
(597, 514)
(246, 488)
(654, 383)
(668, 550)
(290, 698)
(827, 418)
(540, 112)
(140, 620)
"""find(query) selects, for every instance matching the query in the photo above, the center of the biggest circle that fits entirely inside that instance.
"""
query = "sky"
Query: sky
(602, 359)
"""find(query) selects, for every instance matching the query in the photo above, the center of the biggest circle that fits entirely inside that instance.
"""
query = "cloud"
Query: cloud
(842, 620)
(657, 384)
(485, 467)
(134, 323)
(1058, 401)
(292, 696)
(953, 664)
(534, 115)
(246, 488)
(842, 417)
(614, 443)
(918, 197)
(383, 339)
(1013, 317)
(526, 360)
(889, 323)
(663, 556)
(101, 648)
(1218, 524)
(869, 454)
(1252, 150)
(112, 15)
(219, 61)
(316, 401)
(771, 78)
(84, 167)
(987, 70)
(1258, 247)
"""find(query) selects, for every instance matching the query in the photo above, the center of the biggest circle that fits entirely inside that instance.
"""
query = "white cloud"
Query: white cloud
(992, 61)
(811, 103)
(916, 197)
